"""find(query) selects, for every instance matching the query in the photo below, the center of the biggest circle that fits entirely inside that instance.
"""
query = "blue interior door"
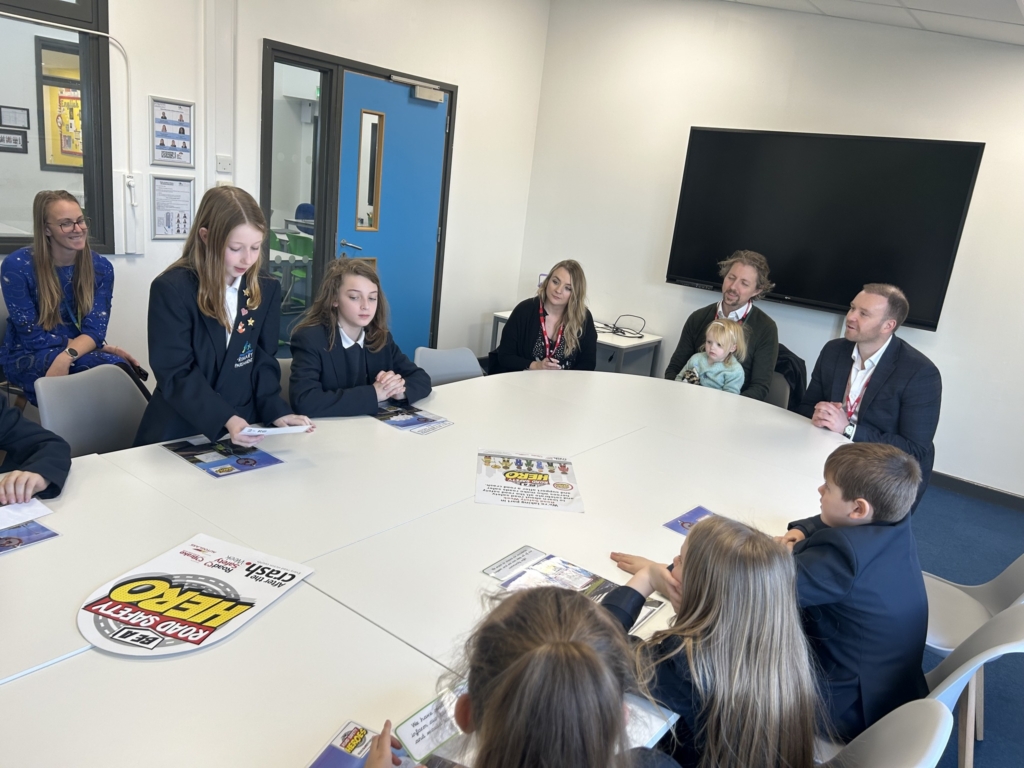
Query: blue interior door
(403, 234)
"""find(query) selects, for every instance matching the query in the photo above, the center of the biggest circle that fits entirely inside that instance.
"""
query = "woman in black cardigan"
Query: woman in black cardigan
(565, 339)
(344, 360)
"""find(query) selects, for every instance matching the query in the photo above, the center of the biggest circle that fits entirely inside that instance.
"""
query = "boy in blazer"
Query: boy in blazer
(873, 387)
(213, 325)
(344, 359)
(860, 587)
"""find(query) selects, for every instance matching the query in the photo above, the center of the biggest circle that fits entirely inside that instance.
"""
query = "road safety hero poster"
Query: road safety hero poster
(190, 597)
(527, 480)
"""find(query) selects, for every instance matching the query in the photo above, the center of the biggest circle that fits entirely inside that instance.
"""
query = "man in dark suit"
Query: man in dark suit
(873, 387)
(744, 278)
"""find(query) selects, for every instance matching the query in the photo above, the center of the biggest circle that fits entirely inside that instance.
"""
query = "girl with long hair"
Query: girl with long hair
(735, 664)
(213, 327)
(58, 293)
(546, 671)
(344, 359)
(552, 331)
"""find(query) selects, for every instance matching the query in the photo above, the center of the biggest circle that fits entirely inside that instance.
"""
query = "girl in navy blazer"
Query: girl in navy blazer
(344, 360)
(213, 325)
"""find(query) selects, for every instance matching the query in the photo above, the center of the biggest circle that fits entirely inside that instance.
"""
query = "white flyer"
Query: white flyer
(190, 597)
(527, 480)
(16, 514)
(253, 431)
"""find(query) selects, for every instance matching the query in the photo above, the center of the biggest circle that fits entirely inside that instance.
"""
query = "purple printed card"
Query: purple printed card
(685, 522)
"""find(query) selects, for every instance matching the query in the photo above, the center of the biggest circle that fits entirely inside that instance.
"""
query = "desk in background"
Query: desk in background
(612, 349)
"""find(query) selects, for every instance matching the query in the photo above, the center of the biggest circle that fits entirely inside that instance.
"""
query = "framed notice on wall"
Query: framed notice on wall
(14, 117)
(172, 123)
(13, 141)
(173, 205)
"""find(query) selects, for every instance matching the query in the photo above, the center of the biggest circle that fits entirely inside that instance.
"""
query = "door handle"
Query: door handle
(343, 245)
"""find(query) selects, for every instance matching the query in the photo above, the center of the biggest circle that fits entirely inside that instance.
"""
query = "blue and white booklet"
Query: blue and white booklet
(221, 458)
(685, 522)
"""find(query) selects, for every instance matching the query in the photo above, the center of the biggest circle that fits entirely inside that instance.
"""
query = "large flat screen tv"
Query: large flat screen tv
(830, 213)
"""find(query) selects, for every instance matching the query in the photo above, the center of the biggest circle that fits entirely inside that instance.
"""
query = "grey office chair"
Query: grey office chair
(286, 375)
(778, 392)
(913, 736)
(96, 411)
(1000, 635)
(447, 365)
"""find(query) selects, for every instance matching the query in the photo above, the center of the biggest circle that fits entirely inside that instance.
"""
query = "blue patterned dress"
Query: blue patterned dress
(28, 349)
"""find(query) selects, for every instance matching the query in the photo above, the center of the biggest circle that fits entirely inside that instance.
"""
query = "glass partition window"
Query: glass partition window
(371, 153)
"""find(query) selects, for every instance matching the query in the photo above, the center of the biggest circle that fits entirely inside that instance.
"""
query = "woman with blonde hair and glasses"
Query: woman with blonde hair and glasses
(58, 293)
(552, 331)
(735, 664)
(344, 359)
(213, 326)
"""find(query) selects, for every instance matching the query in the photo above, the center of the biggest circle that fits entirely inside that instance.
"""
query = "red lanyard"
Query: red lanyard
(544, 330)
(745, 313)
(852, 406)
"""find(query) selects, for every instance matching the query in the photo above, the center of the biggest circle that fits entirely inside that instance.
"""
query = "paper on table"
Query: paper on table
(16, 514)
(646, 723)
(431, 727)
(255, 431)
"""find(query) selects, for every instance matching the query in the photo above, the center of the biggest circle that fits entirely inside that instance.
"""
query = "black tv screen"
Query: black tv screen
(830, 213)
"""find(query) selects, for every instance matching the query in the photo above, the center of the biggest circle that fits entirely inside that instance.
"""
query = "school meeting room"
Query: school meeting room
(511, 383)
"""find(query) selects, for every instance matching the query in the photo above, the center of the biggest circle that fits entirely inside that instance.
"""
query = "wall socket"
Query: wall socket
(224, 164)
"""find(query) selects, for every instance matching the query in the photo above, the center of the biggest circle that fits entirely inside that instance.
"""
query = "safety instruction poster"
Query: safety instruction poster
(190, 597)
(527, 480)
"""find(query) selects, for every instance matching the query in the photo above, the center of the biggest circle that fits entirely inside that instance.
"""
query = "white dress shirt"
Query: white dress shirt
(738, 315)
(231, 305)
(860, 374)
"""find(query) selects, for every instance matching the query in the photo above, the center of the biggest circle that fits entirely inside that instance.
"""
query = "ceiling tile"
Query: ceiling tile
(804, 6)
(879, 14)
(992, 10)
(979, 28)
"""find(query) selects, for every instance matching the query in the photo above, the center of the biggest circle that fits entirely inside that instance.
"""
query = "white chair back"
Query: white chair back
(913, 736)
(96, 411)
(447, 365)
(1002, 634)
(286, 375)
(1004, 590)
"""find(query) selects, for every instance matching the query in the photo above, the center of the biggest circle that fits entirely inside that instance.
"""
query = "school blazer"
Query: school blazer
(865, 613)
(319, 373)
(901, 402)
(31, 448)
(199, 383)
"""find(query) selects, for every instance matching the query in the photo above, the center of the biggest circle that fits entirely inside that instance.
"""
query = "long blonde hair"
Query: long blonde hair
(575, 318)
(324, 309)
(547, 672)
(740, 629)
(51, 295)
(220, 211)
(727, 332)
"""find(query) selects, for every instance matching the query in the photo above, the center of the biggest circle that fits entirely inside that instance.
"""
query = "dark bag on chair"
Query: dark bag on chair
(794, 371)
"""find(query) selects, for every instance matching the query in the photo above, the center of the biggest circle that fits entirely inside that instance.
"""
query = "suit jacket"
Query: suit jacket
(319, 373)
(865, 612)
(200, 384)
(31, 448)
(515, 351)
(761, 334)
(900, 405)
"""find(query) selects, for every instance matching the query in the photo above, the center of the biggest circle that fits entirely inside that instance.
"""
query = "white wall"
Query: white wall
(493, 50)
(623, 83)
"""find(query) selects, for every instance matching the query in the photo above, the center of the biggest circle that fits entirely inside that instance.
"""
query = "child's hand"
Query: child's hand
(295, 420)
(666, 582)
(791, 537)
(234, 426)
(380, 755)
(17, 487)
(388, 384)
(630, 563)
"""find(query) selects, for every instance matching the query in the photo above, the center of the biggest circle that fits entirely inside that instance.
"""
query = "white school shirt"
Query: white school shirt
(231, 305)
(860, 373)
(346, 342)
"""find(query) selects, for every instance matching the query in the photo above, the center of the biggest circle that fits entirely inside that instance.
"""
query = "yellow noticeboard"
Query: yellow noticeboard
(62, 114)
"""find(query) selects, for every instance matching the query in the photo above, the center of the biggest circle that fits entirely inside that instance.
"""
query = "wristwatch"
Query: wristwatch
(72, 353)
(850, 429)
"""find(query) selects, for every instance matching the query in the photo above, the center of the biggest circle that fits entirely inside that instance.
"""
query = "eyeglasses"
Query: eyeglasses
(67, 225)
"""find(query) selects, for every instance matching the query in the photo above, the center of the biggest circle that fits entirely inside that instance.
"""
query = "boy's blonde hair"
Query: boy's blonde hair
(547, 672)
(728, 332)
(739, 627)
(883, 475)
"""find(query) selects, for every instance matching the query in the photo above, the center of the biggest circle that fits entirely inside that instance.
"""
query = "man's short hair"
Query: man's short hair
(883, 475)
(898, 308)
(751, 259)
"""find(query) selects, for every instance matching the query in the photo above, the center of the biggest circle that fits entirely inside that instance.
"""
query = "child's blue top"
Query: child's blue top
(727, 375)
